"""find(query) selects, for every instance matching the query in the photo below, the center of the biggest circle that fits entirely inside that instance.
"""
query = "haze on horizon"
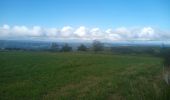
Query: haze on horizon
(105, 20)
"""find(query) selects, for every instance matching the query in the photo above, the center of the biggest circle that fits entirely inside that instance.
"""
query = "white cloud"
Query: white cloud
(121, 30)
(112, 35)
(23, 31)
(20, 31)
(37, 31)
(4, 30)
(52, 32)
(147, 32)
(83, 33)
(6, 27)
(66, 31)
(96, 32)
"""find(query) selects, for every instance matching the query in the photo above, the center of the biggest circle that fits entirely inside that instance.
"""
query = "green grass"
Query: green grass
(72, 76)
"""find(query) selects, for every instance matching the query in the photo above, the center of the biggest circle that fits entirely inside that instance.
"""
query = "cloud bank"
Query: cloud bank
(82, 33)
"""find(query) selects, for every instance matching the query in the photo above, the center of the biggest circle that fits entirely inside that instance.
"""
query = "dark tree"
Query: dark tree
(66, 48)
(54, 47)
(165, 53)
(82, 47)
(97, 46)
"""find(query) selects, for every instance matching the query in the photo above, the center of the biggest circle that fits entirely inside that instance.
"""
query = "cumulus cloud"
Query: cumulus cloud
(147, 32)
(66, 31)
(6, 27)
(83, 33)
(4, 30)
(52, 32)
(112, 35)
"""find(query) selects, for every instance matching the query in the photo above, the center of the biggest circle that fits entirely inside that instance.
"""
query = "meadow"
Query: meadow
(80, 76)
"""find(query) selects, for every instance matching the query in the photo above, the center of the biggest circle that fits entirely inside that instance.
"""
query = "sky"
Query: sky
(85, 19)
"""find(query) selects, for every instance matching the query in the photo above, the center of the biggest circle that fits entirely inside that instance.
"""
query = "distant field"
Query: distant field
(72, 76)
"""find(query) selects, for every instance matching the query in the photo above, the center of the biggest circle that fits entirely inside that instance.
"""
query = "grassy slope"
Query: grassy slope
(42, 75)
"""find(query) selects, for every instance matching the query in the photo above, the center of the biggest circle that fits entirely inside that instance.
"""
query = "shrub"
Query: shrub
(82, 47)
(66, 48)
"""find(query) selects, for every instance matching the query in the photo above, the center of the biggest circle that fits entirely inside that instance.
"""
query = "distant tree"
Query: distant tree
(66, 48)
(165, 54)
(54, 47)
(82, 47)
(97, 46)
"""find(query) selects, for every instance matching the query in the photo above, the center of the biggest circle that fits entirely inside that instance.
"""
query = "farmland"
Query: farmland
(89, 76)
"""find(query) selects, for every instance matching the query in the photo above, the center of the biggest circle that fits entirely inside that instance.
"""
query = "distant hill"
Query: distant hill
(38, 45)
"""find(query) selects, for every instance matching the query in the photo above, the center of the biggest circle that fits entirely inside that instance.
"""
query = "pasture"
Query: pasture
(80, 76)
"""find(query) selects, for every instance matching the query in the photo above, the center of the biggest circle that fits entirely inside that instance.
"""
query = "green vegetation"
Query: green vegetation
(82, 47)
(72, 76)
(165, 54)
(97, 46)
(54, 47)
(66, 48)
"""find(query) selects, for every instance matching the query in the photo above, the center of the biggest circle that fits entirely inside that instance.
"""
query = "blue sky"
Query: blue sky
(91, 13)
(103, 14)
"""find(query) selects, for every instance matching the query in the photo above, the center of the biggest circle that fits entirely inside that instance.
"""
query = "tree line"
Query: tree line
(96, 47)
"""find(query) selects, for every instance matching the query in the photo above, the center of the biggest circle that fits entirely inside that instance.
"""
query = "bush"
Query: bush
(66, 48)
(165, 53)
(97, 46)
(54, 47)
(82, 48)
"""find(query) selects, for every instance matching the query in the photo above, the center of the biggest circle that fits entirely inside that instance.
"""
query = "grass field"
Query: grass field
(72, 76)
